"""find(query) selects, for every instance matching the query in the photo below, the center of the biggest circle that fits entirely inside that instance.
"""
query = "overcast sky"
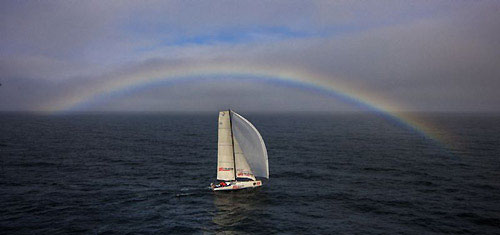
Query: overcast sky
(424, 55)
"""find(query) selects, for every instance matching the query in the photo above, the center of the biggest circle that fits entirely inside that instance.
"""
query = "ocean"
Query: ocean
(147, 173)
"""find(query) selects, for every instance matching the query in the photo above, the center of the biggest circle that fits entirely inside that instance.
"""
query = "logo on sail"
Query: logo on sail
(225, 169)
(244, 173)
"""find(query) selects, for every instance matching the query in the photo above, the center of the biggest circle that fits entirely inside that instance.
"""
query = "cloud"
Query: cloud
(427, 56)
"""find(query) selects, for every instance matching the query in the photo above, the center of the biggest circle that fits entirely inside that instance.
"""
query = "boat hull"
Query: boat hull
(236, 185)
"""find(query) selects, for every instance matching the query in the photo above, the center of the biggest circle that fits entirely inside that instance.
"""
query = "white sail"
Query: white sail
(225, 157)
(243, 170)
(251, 144)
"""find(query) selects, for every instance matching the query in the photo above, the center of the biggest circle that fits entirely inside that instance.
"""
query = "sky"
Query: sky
(432, 56)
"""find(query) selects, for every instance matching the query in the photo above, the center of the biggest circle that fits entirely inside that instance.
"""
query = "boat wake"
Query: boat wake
(185, 192)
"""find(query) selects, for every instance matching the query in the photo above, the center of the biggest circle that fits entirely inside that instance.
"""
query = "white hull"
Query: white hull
(235, 185)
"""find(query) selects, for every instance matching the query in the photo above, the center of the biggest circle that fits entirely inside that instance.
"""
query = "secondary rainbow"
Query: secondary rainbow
(119, 83)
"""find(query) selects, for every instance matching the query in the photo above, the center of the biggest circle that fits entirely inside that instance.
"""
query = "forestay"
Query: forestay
(252, 145)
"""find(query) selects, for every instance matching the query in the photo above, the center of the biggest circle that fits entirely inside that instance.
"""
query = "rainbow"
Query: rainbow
(125, 83)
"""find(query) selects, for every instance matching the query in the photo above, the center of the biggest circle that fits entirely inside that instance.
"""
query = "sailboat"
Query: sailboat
(241, 154)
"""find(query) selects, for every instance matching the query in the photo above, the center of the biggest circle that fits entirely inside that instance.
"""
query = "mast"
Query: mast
(232, 142)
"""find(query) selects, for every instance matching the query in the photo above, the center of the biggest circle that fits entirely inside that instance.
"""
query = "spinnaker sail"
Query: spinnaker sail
(252, 145)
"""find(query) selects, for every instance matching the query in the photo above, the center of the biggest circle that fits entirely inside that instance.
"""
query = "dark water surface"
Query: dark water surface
(148, 173)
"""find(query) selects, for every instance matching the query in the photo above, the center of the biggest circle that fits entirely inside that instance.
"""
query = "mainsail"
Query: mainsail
(252, 145)
(225, 155)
